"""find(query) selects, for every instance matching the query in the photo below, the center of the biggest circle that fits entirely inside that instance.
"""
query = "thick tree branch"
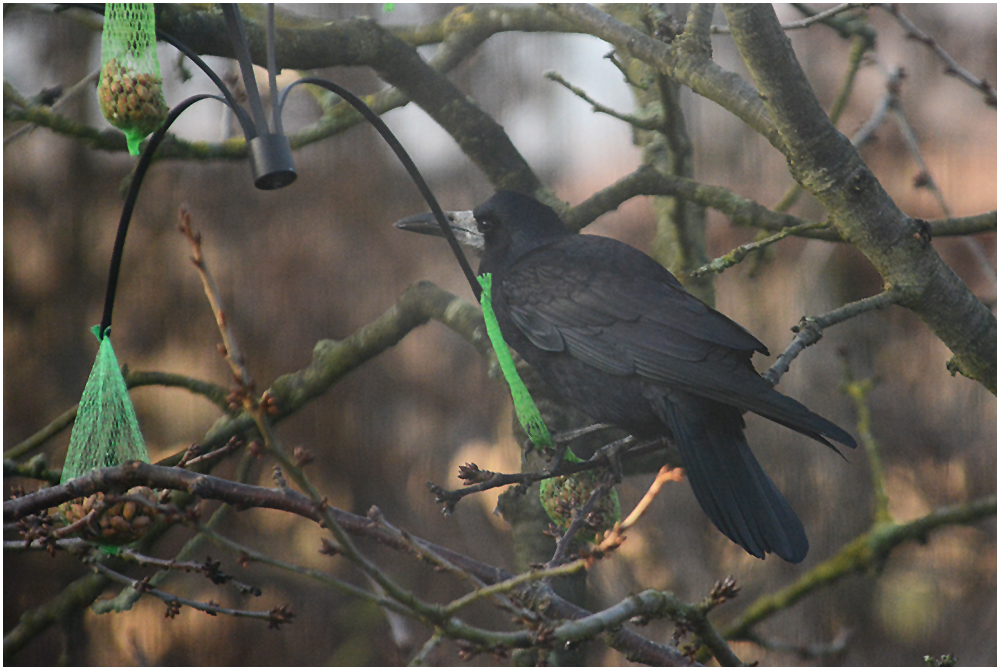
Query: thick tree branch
(741, 211)
(362, 42)
(829, 167)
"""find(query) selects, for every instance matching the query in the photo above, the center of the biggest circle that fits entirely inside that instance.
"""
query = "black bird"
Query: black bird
(617, 336)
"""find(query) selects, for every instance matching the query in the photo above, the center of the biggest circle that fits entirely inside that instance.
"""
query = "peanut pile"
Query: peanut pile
(123, 522)
(131, 100)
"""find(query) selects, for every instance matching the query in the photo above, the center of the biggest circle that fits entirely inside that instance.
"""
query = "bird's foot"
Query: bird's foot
(570, 435)
(612, 454)
(567, 436)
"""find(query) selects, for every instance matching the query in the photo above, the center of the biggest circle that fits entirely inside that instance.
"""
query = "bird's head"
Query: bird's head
(503, 228)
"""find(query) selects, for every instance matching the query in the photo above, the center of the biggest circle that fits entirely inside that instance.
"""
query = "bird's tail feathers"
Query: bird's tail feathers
(728, 482)
(792, 414)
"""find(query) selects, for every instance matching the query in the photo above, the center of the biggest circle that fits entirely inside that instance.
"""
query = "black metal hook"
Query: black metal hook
(404, 158)
(270, 152)
(133, 194)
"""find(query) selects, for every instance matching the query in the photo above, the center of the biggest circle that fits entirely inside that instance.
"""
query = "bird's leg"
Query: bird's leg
(612, 453)
(562, 440)
(568, 436)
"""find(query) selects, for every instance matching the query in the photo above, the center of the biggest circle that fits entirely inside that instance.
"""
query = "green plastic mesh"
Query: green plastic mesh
(130, 90)
(106, 432)
(525, 408)
(558, 495)
(561, 495)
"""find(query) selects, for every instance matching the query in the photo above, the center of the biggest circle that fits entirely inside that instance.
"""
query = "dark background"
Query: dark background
(320, 259)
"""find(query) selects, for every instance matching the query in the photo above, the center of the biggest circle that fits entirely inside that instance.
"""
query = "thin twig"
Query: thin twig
(951, 65)
(211, 457)
(888, 100)
(421, 658)
(666, 474)
(174, 601)
(806, 22)
(858, 392)
(635, 121)
(208, 568)
(810, 329)
(425, 552)
(926, 180)
(515, 582)
(231, 351)
(249, 555)
(496, 479)
(67, 95)
(735, 256)
(66, 543)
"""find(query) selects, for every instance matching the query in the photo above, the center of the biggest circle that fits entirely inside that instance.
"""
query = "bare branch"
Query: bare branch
(64, 96)
(863, 553)
(645, 124)
(124, 476)
(810, 329)
(829, 167)
(951, 65)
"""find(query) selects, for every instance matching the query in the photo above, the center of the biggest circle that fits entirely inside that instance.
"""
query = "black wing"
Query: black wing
(572, 296)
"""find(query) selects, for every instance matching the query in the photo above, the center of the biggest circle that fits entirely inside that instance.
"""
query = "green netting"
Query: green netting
(524, 406)
(130, 90)
(558, 495)
(106, 432)
(561, 495)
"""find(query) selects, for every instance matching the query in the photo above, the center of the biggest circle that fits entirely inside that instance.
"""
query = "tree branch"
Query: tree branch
(243, 496)
(741, 211)
(865, 552)
(690, 68)
(809, 330)
(951, 65)
(829, 167)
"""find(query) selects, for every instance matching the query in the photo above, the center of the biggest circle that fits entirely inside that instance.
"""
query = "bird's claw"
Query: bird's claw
(612, 454)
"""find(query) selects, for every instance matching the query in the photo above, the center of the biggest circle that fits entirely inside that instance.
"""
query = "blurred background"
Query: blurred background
(320, 259)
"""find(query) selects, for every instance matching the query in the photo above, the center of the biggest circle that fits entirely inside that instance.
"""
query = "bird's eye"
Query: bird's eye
(484, 224)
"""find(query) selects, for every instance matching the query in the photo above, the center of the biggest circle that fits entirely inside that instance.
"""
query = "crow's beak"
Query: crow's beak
(463, 224)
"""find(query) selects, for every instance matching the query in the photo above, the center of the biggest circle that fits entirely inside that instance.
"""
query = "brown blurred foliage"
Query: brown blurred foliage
(320, 259)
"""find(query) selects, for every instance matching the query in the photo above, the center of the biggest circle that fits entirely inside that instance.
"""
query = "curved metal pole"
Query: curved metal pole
(401, 154)
(133, 194)
(246, 123)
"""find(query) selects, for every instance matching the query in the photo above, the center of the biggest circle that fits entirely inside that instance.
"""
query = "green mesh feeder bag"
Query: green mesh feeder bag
(130, 90)
(106, 433)
(525, 408)
(559, 495)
